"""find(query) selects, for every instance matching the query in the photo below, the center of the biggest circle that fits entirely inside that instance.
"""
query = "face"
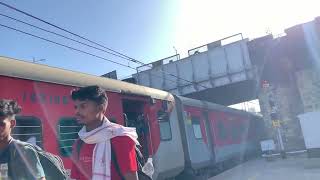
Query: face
(6, 125)
(87, 111)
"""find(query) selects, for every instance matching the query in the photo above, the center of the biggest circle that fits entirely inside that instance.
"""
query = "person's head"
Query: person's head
(8, 110)
(90, 104)
(140, 118)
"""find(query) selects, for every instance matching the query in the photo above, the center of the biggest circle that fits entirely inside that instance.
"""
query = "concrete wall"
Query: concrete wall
(292, 68)
(308, 82)
(287, 102)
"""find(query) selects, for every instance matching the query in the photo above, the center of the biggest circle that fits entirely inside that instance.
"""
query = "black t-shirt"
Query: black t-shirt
(4, 159)
(4, 155)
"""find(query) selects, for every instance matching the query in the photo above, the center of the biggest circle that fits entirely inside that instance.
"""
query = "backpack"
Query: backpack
(139, 158)
(52, 164)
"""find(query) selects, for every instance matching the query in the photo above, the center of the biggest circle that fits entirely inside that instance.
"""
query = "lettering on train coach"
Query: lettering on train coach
(44, 98)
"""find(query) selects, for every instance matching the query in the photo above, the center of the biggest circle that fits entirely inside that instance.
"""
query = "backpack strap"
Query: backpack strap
(139, 157)
(79, 145)
(115, 162)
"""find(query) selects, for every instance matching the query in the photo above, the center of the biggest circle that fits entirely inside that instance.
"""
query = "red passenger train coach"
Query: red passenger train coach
(185, 136)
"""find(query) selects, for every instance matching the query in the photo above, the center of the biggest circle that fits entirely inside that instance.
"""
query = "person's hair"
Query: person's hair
(92, 93)
(9, 108)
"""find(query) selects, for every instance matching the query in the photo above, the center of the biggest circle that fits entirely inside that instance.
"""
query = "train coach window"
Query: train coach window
(165, 128)
(68, 129)
(222, 131)
(28, 129)
(236, 132)
(196, 127)
(239, 132)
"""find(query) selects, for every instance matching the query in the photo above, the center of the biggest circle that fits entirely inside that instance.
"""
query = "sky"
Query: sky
(142, 29)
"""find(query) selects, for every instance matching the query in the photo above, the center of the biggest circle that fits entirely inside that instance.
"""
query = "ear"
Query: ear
(13, 123)
(103, 107)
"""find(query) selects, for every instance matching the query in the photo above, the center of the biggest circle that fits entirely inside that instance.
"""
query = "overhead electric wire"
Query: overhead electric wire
(63, 29)
(69, 47)
(72, 48)
(98, 44)
(57, 34)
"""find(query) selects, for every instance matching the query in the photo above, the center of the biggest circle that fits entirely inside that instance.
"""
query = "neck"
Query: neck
(95, 124)
(5, 141)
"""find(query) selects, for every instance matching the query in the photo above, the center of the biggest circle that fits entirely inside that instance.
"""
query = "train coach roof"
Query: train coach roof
(26, 70)
(213, 106)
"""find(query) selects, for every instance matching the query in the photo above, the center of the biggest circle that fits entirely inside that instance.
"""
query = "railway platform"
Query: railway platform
(293, 168)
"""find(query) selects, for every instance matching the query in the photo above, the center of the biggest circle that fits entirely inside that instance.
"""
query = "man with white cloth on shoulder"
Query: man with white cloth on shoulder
(92, 152)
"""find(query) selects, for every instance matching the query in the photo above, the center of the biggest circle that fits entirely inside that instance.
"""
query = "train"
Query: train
(185, 137)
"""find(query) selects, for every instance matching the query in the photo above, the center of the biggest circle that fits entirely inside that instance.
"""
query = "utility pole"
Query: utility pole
(175, 50)
(275, 118)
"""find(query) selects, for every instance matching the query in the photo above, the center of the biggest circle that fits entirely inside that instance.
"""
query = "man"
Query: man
(25, 164)
(98, 138)
(143, 133)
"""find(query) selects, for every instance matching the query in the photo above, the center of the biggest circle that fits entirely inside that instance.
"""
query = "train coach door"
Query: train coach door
(136, 115)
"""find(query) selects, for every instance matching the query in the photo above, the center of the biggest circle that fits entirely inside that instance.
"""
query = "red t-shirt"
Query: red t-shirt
(124, 148)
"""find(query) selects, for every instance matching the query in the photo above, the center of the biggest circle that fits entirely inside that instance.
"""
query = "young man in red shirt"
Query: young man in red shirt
(98, 137)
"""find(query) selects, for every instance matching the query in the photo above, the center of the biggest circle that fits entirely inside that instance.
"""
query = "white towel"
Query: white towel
(101, 158)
